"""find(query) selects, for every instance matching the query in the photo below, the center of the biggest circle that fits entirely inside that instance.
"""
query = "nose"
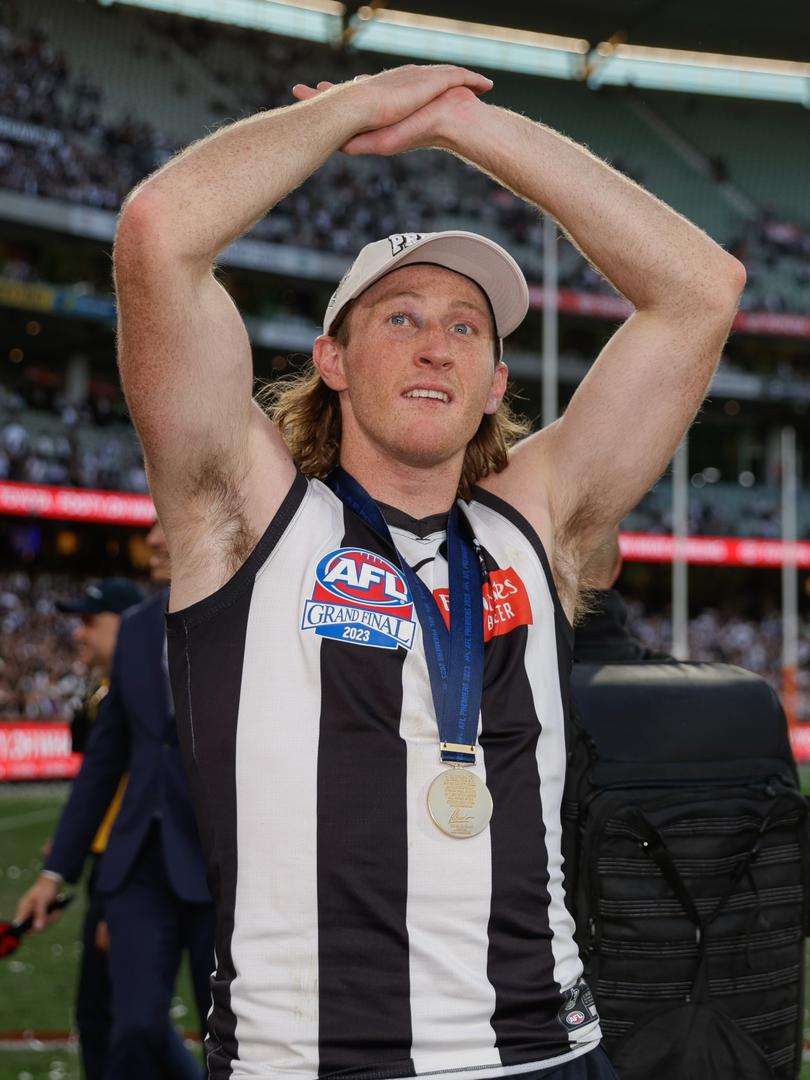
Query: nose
(434, 348)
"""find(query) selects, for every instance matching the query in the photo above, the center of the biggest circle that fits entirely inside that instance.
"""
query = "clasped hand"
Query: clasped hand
(407, 107)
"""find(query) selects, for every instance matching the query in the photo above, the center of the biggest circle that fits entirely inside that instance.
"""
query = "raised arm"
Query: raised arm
(577, 479)
(626, 418)
(217, 468)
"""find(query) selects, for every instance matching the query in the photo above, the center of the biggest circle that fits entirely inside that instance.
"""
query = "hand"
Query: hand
(441, 124)
(397, 96)
(35, 903)
(102, 937)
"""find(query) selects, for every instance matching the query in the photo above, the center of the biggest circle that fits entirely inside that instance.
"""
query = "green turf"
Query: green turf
(37, 983)
(46, 1064)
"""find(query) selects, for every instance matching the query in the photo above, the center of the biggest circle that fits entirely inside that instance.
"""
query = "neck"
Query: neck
(417, 490)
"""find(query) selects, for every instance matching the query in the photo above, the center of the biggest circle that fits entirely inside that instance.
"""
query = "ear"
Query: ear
(327, 356)
(497, 389)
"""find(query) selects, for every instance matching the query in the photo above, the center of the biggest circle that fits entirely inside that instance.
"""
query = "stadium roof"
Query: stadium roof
(683, 45)
(779, 28)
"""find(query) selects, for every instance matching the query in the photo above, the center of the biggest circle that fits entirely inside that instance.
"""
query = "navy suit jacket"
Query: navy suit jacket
(135, 733)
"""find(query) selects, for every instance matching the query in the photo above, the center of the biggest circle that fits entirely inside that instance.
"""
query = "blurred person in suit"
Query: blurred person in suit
(603, 636)
(99, 611)
(151, 875)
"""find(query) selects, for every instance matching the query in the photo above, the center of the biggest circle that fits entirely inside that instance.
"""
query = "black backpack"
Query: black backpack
(685, 838)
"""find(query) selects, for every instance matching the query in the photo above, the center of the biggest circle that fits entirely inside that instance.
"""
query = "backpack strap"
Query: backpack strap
(654, 844)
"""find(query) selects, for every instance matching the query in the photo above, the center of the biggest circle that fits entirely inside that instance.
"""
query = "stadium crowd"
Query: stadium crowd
(54, 143)
(733, 639)
(68, 445)
(47, 440)
(40, 678)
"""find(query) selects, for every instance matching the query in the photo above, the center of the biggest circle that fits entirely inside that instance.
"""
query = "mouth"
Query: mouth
(426, 394)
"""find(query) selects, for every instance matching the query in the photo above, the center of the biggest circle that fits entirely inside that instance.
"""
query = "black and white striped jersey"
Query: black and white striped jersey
(354, 937)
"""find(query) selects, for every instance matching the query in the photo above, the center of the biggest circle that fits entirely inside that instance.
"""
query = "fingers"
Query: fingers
(427, 127)
(449, 75)
(35, 903)
(304, 92)
(25, 907)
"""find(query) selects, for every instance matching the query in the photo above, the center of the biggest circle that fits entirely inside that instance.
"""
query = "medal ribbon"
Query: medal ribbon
(455, 657)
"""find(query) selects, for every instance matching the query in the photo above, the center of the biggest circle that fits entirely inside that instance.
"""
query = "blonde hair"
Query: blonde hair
(307, 414)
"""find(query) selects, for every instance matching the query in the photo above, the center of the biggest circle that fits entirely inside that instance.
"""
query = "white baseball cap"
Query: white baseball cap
(482, 260)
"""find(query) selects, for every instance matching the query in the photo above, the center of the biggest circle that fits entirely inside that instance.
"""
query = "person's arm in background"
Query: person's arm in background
(105, 762)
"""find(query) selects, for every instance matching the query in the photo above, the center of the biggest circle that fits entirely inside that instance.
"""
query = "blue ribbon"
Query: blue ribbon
(455, 657)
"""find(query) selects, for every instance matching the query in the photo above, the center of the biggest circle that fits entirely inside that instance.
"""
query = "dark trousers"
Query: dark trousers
(93, 1014)
(591, 1066)
(149, 928)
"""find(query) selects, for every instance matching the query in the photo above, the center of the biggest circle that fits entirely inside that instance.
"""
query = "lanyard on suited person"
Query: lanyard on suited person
(459, 801)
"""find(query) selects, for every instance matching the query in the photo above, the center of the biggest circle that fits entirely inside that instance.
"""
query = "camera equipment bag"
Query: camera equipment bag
(685, 838)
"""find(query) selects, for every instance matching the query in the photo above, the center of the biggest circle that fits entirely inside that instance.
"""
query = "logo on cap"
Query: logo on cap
(401, 240)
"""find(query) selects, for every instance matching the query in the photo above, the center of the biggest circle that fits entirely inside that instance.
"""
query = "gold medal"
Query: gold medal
(459, 803)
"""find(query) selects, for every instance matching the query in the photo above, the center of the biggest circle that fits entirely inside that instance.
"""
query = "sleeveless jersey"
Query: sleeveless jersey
(354, 937)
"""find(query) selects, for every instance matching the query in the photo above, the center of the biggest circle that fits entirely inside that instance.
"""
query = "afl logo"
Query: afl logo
(361, 598)
(575, 1018)
(357, 575)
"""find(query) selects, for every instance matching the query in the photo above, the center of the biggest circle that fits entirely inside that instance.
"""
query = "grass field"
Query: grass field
(37, 983)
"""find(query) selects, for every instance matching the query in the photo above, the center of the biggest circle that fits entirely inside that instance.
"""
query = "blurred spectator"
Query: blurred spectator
(47, 441)
(40, 676)
(66, 445)
(70, 152)
(41, 679)
(733, 639)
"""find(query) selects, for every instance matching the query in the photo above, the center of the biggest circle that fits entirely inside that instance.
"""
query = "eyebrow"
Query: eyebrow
(394, 294)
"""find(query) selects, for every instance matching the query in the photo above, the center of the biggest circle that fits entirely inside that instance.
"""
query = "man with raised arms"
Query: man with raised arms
(373, 588)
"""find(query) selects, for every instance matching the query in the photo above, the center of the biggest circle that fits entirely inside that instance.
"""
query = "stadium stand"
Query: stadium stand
(69, 446)
(40, 678)
(730, 638)
(92, 98)
(125, 87)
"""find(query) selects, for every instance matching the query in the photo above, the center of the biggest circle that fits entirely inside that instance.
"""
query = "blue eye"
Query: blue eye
(398, 318)
(462, 328)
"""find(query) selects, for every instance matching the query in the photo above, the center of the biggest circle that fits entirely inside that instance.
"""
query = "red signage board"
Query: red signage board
(800, 742)
(615, 308)
(76, 504)
(36, 750)
(122, 508)
(714, 550)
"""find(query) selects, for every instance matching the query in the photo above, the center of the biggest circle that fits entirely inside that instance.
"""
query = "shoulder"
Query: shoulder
(147, 614)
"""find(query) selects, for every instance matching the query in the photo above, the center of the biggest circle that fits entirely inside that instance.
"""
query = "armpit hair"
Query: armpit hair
(567, 565)
(217, 489)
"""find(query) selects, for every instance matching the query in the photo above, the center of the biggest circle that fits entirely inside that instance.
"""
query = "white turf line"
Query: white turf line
(37, 1046)
(8, 823)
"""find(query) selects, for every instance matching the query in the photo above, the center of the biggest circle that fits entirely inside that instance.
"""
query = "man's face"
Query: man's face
(418, 372)
(95, 638)
(159, 565)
